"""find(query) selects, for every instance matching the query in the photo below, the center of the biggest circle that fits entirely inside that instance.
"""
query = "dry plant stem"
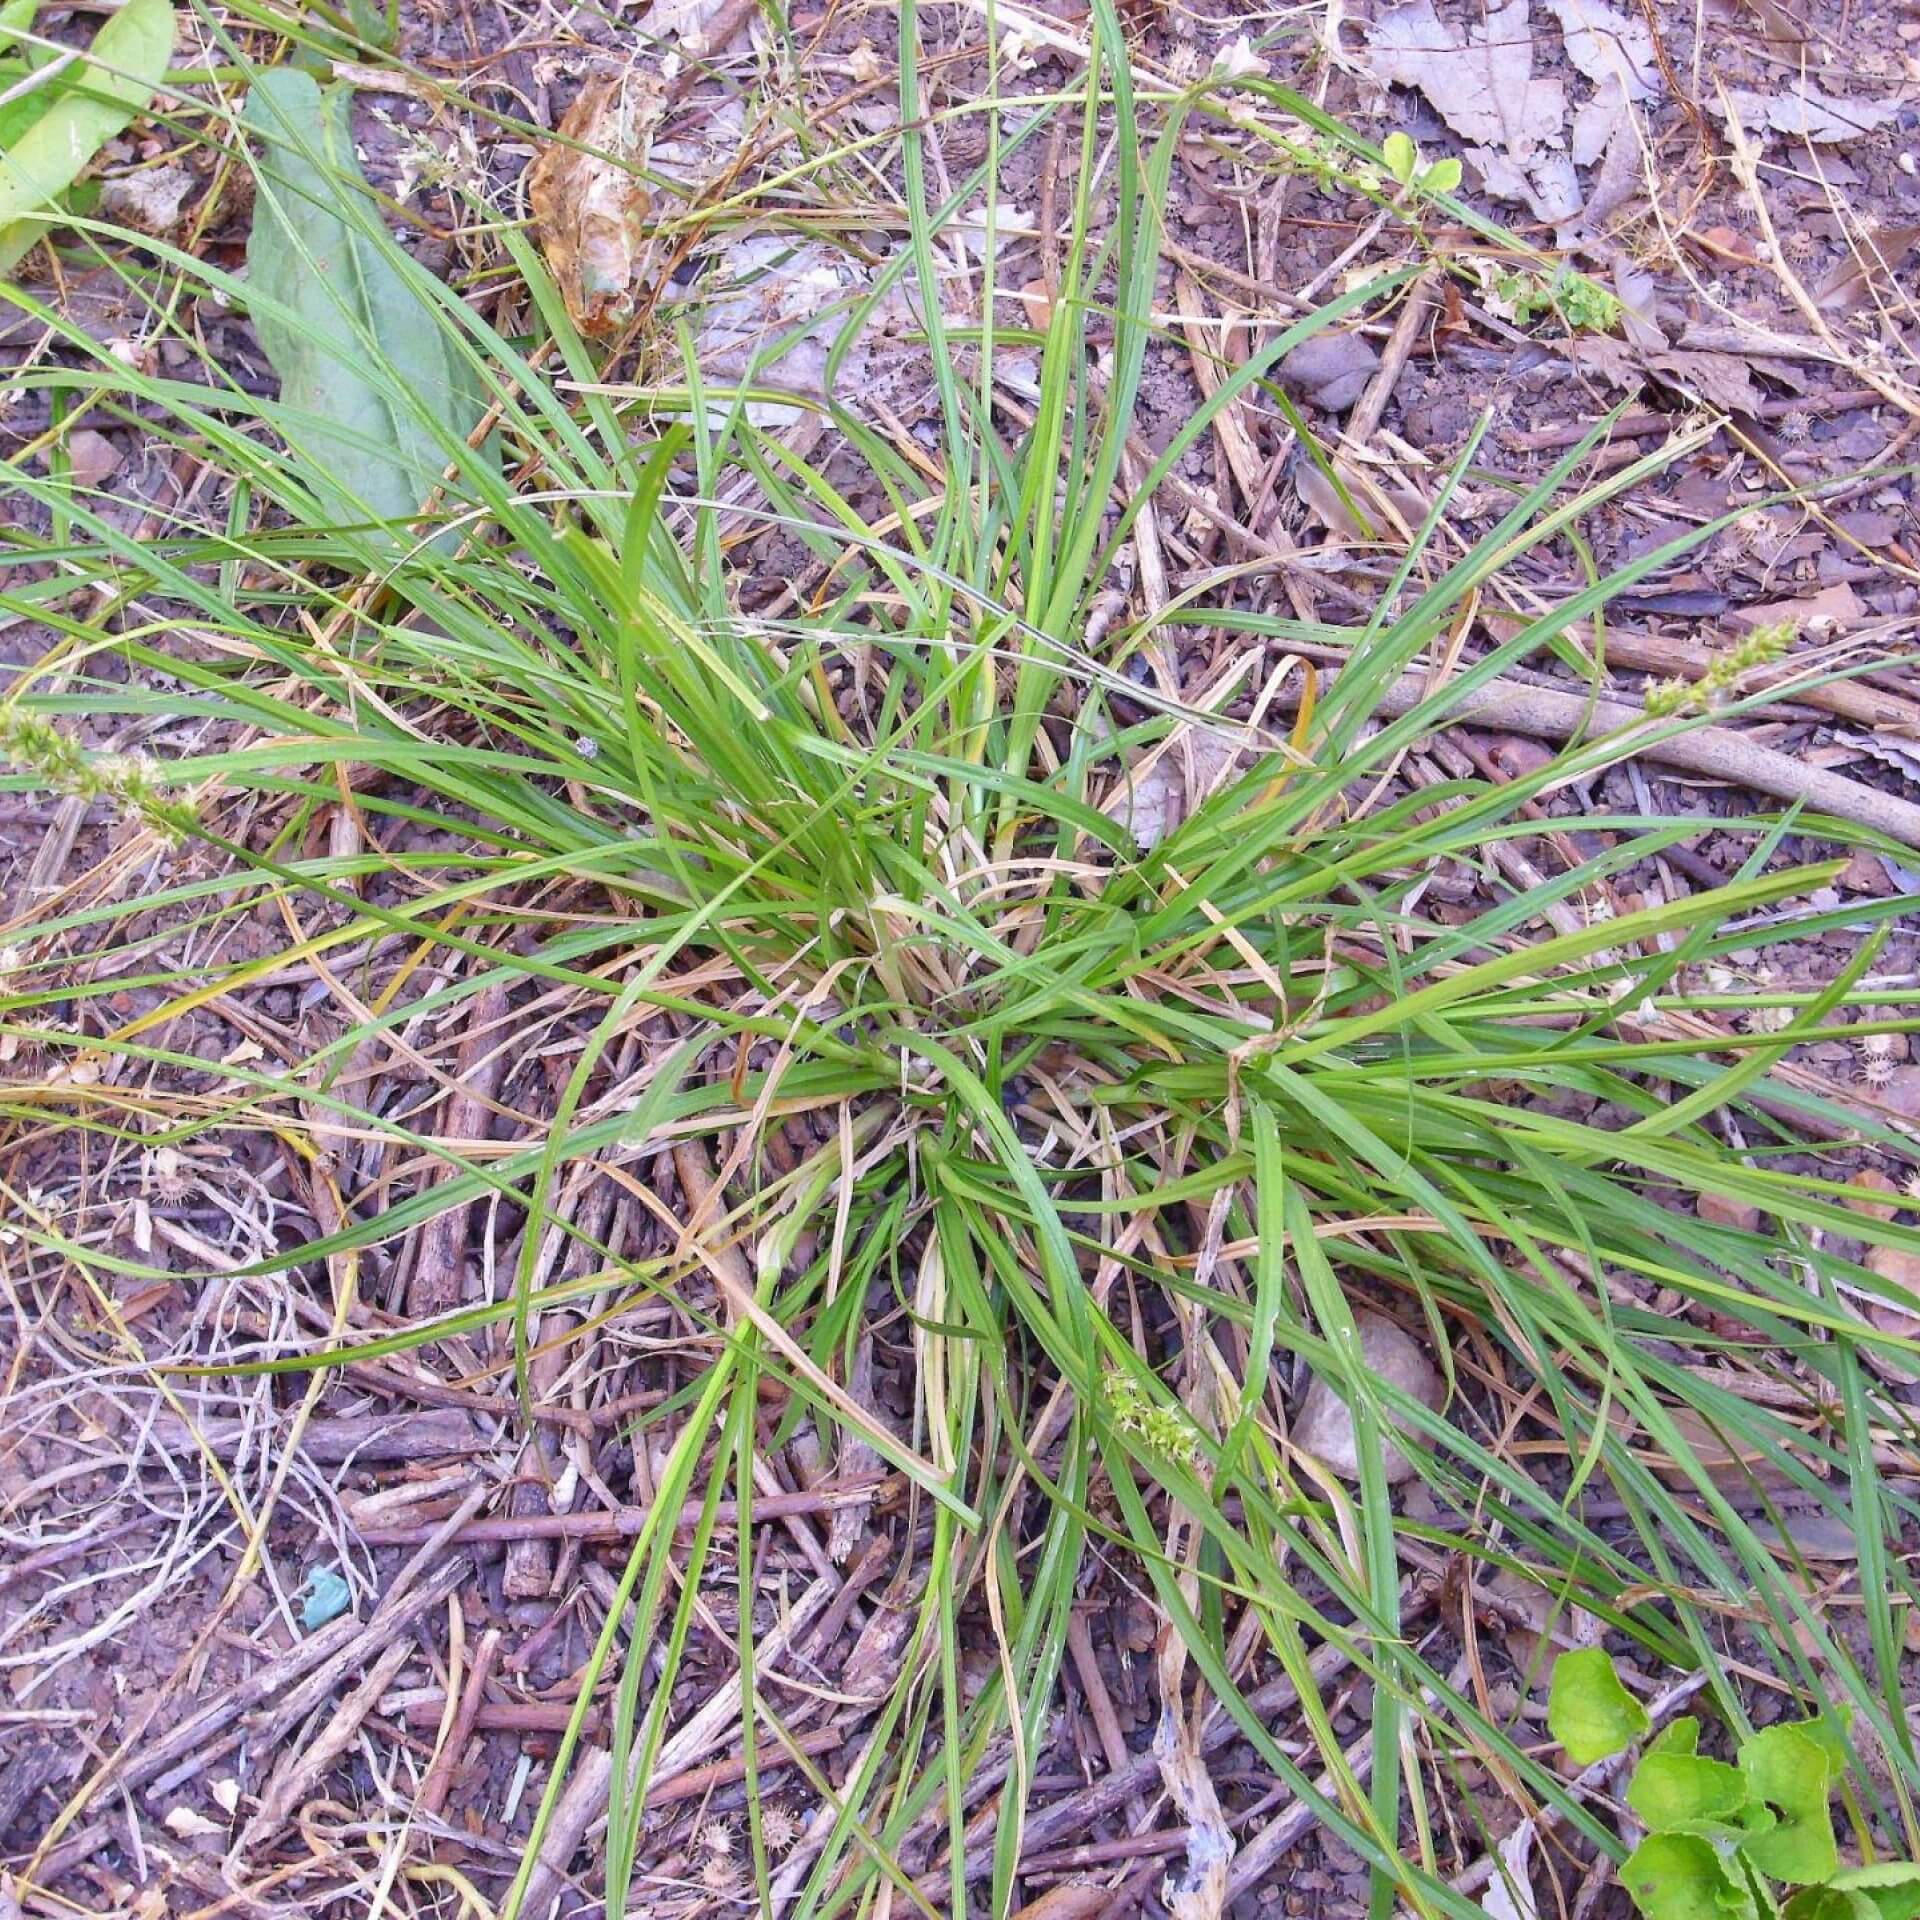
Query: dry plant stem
(282, 1711)
(589, 1204)
(698, 1781)
(1257, 1858)
(302, 1770)
(1650, 426)
(1746, 167)
(582, 1802)
(190, 1737)
(1230, 427)
(1364, 422)
(1716, 753)
(439, 1272)
(359, 1438)
(1048, 1826)
(587, 1794)
(1113, 1742)
(624, 1522)
(439, 1780)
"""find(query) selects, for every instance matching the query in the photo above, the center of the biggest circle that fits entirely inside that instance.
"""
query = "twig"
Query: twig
(439, 1780)
(281, 1708)
(697, 1781)
(1650, 426)
(1230, 425)
(1048, 1826)
(1364, 422)
(624, 1522)
(1258, 1856)
(1856, 700)
(439, 1272)
(360, 1438)
(1718, 753)
(1113, 1742)
(587, 1793)
(299, 1772)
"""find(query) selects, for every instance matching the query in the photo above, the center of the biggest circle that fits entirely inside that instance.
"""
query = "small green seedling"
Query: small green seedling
(1718, 1835)
(1523, 295)
(1403, 163)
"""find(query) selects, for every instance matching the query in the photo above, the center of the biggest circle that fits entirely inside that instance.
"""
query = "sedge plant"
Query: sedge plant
(863, 856)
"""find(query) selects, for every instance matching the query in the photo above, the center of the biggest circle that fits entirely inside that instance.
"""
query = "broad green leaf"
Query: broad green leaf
(1789, 1770)
(1684, 1793)
(1677, 1736)
(1679, 1876)
(1588, 1711)
(16, 16)
(80, 114)
(1893, 1886)
(1829, 1903)
(1442, 177)
(1829, 1733)
(1401, 157)
(359, 349)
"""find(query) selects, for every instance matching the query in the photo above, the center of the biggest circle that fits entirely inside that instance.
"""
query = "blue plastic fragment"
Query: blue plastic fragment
(327, 1597)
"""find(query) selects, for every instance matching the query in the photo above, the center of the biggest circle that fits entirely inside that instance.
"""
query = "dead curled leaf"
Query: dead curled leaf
(1608, 45)
(1483, 86)
(1870, 259)
(1803, 112)
(1331, 369)
(149, 199)
(1716, 380)
(1201, 1891)
(590, 205)
(1615, 51)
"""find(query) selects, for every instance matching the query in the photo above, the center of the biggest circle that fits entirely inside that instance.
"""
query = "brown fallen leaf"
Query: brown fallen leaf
(1810, 1536)
(1899, 1269)
(1615, 51)
(1872, 1182)
(1720, 1211)
(91, 458)
(1324, 1425)
(149, 200)
(1801, 111)
(1878, 254)
(1331, 369)
(1835, 609)
(1609, 45)
(589, 202)
(1778, 24)
(1730, 1467)
(1070, 1900)
(1484, 87)
(1717, 380)
(1727, 243)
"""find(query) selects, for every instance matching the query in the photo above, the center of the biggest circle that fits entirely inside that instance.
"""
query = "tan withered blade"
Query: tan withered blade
(589, 203)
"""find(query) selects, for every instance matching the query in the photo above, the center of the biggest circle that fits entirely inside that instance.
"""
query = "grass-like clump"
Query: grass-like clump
(1109, 1137)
